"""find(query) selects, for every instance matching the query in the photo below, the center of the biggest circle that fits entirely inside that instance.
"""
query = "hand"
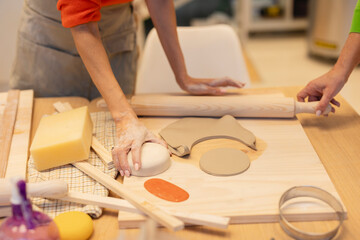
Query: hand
(202, 86)
(323, 89)
(131, 134)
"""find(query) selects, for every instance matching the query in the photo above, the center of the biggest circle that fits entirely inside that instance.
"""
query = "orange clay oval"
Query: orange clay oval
(166, 190)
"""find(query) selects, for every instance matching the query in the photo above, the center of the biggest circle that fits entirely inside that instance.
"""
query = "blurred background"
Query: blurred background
(285, 42)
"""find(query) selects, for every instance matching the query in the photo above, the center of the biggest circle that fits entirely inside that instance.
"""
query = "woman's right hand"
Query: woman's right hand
(323, 89)
(131, 134)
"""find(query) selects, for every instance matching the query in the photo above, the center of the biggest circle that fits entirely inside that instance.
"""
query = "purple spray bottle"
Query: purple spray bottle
(26, 224)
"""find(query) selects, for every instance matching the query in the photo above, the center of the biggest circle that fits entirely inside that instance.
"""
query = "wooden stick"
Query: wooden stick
(19, 151)
(62, 107)
(100, 150)
(7, 128)
(123, 205)
(139, 202)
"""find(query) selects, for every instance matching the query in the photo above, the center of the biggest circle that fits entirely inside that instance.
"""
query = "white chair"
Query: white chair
(209, 52)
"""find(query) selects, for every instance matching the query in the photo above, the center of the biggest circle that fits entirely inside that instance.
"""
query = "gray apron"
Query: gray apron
(48, 62)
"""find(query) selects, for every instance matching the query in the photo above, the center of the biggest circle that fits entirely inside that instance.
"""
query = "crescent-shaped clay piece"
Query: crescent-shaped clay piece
(155, 159)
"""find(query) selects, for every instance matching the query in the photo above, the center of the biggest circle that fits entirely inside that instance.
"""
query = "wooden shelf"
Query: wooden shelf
(249, 22)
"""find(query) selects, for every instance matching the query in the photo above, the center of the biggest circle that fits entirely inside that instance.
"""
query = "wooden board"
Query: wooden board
(18, 155)
(7, 123)
(288, 159)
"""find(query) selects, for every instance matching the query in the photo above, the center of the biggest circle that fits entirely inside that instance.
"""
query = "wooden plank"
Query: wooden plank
(119, 204)
(102, 152)
(3, 96)
(252, 197)
(19, 153)
(7, 128)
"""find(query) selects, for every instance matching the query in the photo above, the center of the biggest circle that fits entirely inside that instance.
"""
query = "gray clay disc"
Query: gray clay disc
(224, 162)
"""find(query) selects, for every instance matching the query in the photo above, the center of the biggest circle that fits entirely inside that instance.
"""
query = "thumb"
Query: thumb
(324, 102)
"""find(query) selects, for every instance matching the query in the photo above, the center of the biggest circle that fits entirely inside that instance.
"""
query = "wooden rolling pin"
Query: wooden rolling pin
(52, 188)
(217, 106)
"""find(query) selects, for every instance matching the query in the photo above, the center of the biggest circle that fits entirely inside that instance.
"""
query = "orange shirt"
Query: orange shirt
(76, 12)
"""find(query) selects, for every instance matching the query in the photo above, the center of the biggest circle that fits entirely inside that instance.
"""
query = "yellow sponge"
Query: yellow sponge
(74, 225)
(62, 139)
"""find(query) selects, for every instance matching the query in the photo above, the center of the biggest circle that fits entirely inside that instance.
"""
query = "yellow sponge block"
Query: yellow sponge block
(62, 139)
(74, 225)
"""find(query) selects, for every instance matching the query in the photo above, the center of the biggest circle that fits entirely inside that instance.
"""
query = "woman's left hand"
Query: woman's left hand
(208, 86)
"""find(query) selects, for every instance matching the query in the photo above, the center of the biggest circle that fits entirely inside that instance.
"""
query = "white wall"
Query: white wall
(9, 21)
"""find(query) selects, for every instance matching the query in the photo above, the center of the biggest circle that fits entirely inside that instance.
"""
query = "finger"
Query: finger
(336, 103)
(324, 102)
(154, 139)
(313, 99)
(124, 165)
(203, 89)
(116, 162)
(136, 157)
(225, 82)
(302, 95)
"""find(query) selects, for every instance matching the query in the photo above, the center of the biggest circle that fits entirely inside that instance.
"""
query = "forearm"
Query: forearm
(92, 52)
(350, 55)
(162, 13)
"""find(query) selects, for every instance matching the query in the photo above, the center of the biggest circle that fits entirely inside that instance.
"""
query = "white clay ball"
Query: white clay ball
(155, 159)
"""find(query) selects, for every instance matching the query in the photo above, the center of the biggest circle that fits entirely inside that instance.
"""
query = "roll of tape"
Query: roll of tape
(314, 192)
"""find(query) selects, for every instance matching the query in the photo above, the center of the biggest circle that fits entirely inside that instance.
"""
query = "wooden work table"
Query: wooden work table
(336, 140)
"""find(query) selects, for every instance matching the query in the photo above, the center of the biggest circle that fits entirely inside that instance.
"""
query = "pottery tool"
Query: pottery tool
(218, 106)
(313, 192)
(15, 125)
(66, 138)
(51, 188)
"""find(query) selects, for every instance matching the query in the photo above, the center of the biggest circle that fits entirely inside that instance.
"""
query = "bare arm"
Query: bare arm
(327, 86)
(92, 52)
(162, 13)
(350, 55)
(131, 133)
